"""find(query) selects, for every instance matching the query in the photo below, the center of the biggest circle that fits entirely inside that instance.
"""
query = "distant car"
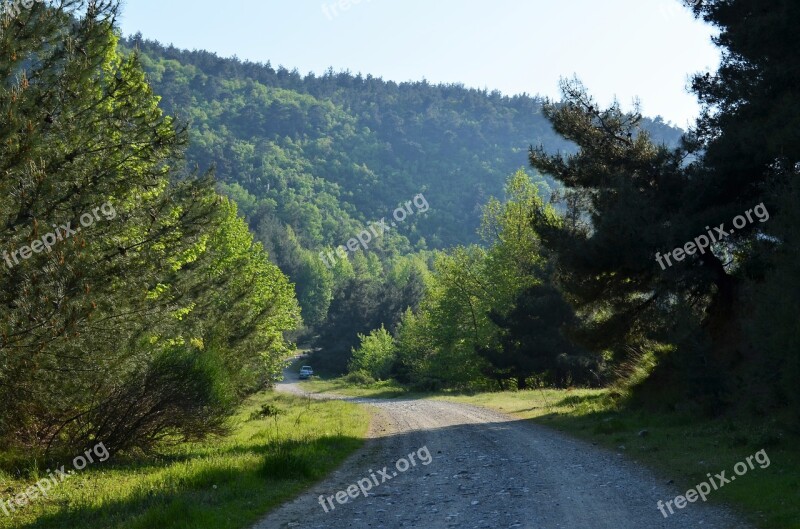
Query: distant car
(306, 372)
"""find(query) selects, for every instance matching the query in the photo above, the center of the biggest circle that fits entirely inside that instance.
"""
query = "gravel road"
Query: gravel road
(486, 471)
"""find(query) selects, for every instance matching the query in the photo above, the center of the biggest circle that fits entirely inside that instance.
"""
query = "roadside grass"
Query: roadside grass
(279, 445)
(680, 447)
(387, 389)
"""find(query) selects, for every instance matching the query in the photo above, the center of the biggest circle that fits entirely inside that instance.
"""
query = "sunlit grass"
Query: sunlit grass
(340, 386)
(226, 483)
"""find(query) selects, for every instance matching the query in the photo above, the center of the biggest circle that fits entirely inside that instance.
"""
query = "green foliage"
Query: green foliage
(774, 326)
(451, 321)
(726, 314)
(250, 307)
(367, 294)
(153, 320)
(312, 160)
(375, 355)
(179, 395)
(533, 342)
(479, 320)
(359, 378)
(336, 152)
(750, 146)
(629, 199)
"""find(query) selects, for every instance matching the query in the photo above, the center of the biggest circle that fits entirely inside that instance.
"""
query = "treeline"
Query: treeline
(313, 160)
(327, 154)
(672, 267)
(135, 307)
(491, 315)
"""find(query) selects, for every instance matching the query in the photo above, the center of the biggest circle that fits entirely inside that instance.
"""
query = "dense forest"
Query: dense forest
(314, 161)
(628, 252)
(181, 233)
(671, 272)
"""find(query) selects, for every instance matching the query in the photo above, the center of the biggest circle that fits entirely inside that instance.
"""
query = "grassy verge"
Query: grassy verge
(679, 447)
(339, 386)
(226, 483)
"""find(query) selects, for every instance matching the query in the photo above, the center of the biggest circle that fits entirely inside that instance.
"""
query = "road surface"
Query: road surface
(485, 471)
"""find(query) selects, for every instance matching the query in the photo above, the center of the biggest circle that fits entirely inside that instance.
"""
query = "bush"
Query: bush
(360, 378)
(266, 411)
(375, 355)
(427, 384)
(182, 395)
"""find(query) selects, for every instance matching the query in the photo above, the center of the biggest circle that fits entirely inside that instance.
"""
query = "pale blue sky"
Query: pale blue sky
(622, 48)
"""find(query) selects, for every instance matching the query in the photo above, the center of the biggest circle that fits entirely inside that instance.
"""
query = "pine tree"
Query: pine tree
(748, 143)
(149, 310)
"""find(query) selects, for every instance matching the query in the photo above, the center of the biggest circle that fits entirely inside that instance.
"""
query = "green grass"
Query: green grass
(679, 447)
(226, 483)
(388, 389)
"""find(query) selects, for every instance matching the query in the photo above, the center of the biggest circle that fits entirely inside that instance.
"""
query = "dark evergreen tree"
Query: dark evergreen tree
(748, 143)
(534, 342)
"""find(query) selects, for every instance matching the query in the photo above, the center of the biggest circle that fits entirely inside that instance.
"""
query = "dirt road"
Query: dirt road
(486, 471)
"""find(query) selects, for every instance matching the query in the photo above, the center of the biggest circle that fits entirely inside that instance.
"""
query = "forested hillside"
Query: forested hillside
(329, 153)
(313, 161)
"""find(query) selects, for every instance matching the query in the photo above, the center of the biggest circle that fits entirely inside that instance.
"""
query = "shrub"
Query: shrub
(375, 355)
(266, 411)
(182, 395)
(360, 378)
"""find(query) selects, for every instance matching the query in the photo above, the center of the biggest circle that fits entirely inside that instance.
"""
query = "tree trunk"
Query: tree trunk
(722, 321)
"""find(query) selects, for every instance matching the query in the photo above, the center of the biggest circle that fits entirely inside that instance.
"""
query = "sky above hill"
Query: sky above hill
(618, 48)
